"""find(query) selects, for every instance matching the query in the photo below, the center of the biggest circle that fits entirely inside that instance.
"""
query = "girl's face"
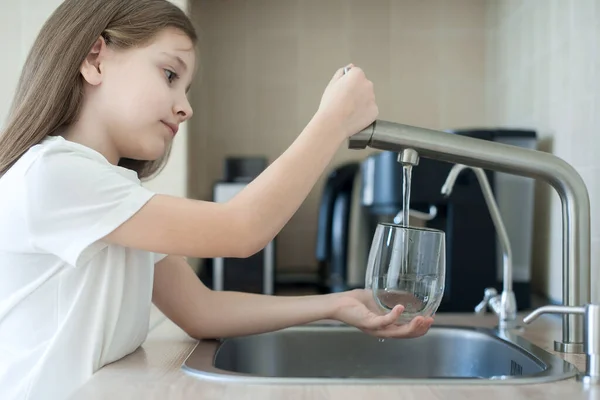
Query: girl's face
(143, 95)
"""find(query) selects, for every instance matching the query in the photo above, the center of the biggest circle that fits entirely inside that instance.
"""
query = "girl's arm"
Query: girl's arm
(248, 222)
(204, 313)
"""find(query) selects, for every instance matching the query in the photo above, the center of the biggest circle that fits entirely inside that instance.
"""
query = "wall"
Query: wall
(542, 63)
(264, 65)
(20, 21)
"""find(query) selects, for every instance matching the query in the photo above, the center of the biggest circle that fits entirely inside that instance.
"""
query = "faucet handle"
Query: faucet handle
(553, 310)
(591, 335)
(488, 295)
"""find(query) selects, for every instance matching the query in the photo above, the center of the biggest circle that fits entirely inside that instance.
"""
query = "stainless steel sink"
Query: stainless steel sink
(341, 354)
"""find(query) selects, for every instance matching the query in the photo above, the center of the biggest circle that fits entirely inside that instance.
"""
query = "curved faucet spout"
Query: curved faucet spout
(490, 201)
(505, 305)
(569, 185)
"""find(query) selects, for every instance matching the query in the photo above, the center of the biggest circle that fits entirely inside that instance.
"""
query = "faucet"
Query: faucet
(398, 219)
(505, 304)
(410, 158)
(591, 313)
(449, 147)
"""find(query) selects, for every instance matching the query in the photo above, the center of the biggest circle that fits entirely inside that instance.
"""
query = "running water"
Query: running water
(406, 182)
(406, 178)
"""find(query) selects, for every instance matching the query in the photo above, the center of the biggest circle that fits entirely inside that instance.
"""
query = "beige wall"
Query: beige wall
(542, 68)
(265, 65)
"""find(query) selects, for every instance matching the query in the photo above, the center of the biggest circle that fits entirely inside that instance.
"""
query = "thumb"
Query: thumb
(340, 72)
(392, 316)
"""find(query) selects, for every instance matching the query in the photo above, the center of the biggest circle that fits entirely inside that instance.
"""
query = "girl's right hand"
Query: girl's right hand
(357, 308)
(349, 100)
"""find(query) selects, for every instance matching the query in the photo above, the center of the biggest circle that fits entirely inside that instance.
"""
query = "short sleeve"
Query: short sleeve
(158, 257)
(73, 200)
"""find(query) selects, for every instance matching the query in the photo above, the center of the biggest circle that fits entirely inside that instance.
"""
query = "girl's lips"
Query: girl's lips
(173, 127)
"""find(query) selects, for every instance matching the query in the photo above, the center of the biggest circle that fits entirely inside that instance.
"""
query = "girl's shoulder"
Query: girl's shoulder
(56, 155)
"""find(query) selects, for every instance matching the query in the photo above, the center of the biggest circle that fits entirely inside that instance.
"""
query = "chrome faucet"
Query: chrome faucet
(398, 219)
(504, 305)
(591, 313)
(569, 185)
(409, 157)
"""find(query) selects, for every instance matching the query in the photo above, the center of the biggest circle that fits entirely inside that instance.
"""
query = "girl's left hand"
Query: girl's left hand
(357, 308)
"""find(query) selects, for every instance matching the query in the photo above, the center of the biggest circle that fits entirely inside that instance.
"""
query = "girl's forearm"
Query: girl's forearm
(227, 314)
(269, 201)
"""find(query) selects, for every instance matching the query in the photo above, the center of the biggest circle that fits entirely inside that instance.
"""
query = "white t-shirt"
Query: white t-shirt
(69, 303)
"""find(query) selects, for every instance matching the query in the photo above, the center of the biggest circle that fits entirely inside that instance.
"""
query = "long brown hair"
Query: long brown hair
(50, 90)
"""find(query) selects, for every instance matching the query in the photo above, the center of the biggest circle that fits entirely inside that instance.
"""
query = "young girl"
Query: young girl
(84, 248)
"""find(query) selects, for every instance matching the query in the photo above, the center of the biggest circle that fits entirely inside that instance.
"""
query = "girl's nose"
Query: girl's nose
(183, 109)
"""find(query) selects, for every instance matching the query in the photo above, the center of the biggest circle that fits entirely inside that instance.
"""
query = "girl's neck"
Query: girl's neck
(88, 131)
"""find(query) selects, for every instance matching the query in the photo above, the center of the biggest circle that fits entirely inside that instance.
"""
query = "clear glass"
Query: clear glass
(407, 265)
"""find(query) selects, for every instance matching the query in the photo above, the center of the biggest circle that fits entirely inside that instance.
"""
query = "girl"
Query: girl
(84, 248)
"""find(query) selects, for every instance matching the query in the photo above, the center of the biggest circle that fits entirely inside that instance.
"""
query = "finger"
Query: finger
(347, 68)
(340, 72)
(381, 321)
(417, 327)
(393, 315)
(420, 326)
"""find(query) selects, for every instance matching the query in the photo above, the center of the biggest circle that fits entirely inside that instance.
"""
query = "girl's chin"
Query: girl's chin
(157, 150)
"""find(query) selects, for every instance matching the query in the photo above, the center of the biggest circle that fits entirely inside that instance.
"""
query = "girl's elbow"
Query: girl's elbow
(249, 246)
(250, 239)
(200, 334)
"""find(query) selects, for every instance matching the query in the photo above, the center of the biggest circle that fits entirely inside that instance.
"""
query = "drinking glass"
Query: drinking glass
(407, 265)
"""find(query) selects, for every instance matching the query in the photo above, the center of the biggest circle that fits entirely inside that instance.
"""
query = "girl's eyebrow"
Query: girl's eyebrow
(178, 59)
(181, 63)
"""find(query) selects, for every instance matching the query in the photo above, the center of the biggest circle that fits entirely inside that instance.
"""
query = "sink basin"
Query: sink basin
(330, 354)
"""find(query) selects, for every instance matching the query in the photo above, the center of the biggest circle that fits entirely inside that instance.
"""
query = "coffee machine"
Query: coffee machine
(357, 196)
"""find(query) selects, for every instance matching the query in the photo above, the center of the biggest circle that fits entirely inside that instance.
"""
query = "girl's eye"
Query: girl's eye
(171, 76)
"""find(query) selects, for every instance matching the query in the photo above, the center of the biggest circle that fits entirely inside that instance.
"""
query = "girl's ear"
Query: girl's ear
(91, 68)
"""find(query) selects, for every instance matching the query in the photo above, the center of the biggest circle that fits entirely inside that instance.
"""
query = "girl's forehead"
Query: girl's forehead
(173, 39)
(176, 44)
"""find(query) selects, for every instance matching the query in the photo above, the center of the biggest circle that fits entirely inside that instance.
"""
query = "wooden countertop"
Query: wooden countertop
(153, 372)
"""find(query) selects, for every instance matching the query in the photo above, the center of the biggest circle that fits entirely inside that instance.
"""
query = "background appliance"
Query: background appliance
(255, 274)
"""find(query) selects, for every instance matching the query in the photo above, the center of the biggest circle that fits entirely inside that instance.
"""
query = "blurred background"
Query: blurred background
(525, 72)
